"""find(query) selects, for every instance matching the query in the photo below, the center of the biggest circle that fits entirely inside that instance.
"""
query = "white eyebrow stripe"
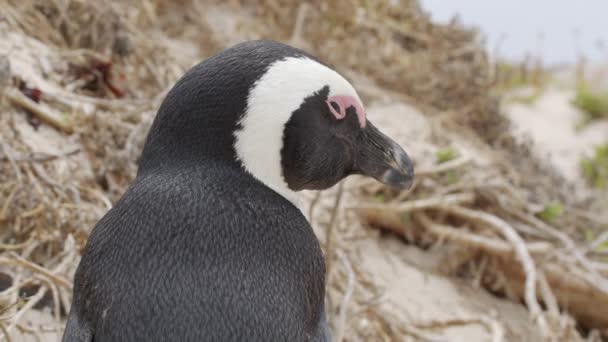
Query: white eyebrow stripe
(271, 102)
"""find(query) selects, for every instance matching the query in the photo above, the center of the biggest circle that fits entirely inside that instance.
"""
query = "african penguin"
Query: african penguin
(208, 243)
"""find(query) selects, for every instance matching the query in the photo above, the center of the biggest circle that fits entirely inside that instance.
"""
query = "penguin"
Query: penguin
(208, 243)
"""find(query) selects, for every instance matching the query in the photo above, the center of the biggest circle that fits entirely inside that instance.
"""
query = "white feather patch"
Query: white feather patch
(271, 102)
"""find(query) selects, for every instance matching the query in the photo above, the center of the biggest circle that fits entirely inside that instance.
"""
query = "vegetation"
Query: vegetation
(595, 168)
(509, 76)
(593, 103)
(551, 212)
(446, 154)
(529, 98)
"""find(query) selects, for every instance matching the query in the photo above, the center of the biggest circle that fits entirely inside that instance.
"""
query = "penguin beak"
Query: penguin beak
(383, 159)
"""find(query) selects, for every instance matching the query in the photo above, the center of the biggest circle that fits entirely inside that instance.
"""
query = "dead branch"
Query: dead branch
(330, 227)
(44, 157)
(41, 112)
(20, 261)
(463, 198)
(5, 331)
(486, 244)
(443, 167)
(28, 306)
(492, 325)
(521, 252)
(341, 319)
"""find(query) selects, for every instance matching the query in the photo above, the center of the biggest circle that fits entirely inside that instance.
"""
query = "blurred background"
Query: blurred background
(503, 106)
(558, 32)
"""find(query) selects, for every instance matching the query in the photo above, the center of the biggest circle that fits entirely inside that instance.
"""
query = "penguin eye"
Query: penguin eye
(338, 104)
(336, 108)
(335, 105)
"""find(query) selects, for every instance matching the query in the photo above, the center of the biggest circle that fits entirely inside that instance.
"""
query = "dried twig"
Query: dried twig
(44, 157)
(492, 325)
(464, 198)
(296, 36)
(350, 283)
(478, 241)
(42, 113)
(20, 261)
(11, 159)
(32, 301)
(5, 331)
(330, 227)
(602, 238)
(443, 167)
(521, 252)
(313, 204)
(548, 296)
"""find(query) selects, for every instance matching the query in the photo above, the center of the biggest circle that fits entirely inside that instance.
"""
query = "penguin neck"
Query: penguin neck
(206, 147)
(282, 189)
(260, 156)
(198, 123)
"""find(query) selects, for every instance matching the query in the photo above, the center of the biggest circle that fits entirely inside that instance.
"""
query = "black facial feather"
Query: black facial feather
(318, 149)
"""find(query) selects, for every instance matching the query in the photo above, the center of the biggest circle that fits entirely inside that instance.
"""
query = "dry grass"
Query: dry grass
(103, 68)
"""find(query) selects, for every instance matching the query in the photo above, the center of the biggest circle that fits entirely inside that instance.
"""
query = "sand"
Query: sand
(552, 124)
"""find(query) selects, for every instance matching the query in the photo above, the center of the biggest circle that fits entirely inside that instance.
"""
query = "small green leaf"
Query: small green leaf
(593, 103)
(380, 197)
(551, 212)
(589, 236)
(451, 177)
(602, 246)
(446, 154)
(595, 169)
(406, 217)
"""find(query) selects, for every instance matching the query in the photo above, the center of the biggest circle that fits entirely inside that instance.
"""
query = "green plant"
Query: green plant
(589, 236)
(446, 154)
(593, 103)
(406, 217)
(551, 212)
(602, 246)
(451, 177)
(380, 197)
(528, 99)
(528, 72)
(595, 169)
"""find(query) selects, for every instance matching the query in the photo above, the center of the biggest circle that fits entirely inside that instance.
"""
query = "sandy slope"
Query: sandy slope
(415, 290)
(551, 123)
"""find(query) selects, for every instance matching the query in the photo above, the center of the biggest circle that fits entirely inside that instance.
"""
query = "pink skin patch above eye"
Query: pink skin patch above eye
(344, 102)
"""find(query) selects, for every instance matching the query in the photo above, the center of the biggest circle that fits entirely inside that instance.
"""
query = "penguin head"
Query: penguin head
(289, 120)
(305, 127)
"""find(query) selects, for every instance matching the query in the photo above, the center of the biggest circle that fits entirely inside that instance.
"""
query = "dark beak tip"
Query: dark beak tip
(403, 177)
(406, 184)
(386, 161)
(399, 179)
